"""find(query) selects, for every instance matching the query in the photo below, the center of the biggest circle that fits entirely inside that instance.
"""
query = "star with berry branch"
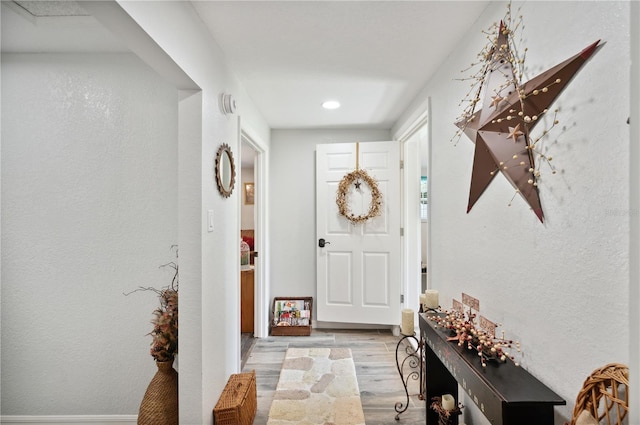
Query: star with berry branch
(500, 130)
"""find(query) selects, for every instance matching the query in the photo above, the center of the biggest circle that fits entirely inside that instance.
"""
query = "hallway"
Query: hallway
(374, 357)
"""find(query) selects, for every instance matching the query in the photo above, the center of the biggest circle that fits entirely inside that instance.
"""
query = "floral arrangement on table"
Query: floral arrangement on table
(164, 345)
(467, 332)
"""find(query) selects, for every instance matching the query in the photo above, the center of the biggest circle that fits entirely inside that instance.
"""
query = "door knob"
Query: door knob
(322, 243)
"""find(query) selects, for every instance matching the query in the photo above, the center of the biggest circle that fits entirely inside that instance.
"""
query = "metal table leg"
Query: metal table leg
(412, 365)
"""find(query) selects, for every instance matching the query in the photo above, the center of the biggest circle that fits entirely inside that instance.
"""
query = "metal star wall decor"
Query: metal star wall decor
(500, 130)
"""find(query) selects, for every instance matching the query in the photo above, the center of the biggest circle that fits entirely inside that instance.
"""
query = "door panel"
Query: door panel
(340, 286)
(335, 223)
(376, 272)
(358, 270)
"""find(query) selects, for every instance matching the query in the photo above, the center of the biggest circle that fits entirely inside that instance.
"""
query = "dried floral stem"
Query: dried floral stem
(468, 334)
(164, 345)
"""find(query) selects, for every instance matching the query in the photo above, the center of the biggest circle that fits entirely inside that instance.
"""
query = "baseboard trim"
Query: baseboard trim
(357, 326)
(69, 419)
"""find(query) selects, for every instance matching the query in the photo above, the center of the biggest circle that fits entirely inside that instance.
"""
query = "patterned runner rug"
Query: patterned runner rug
(317, 386)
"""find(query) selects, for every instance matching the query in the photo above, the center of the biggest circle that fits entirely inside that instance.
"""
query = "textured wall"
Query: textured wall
(634, 206)
(89, 188)
(560, 287)
(210, 345)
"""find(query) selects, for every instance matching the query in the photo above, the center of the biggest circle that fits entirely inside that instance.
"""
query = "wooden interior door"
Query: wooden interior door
(246, 301)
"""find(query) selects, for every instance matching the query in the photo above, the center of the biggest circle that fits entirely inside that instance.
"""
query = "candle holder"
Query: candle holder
(445, 417)
(414, 360)
(429, 310)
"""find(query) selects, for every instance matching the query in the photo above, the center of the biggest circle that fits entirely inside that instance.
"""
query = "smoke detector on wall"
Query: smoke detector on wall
(227, 104)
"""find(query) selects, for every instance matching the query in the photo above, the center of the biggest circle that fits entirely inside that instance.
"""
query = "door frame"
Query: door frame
(261, 208)
(411, 170)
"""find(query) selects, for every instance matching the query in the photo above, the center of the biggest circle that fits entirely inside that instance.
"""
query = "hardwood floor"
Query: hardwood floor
(374, 357)
(246, 345)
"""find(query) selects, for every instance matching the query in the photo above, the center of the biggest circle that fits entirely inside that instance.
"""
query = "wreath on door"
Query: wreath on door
(352, 180)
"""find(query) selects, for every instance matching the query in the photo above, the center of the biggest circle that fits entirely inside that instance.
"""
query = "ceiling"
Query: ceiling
(53, 26)
(371, 56)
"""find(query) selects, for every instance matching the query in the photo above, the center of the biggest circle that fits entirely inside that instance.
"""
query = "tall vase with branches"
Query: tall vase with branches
(159, 405)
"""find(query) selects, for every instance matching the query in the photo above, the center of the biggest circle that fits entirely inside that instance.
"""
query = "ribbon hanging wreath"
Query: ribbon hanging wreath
(355, 179)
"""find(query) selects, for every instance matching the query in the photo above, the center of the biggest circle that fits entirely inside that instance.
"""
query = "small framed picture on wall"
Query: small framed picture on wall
(249, 193)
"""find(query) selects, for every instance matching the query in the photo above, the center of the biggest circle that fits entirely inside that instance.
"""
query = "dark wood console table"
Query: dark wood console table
(504, 393)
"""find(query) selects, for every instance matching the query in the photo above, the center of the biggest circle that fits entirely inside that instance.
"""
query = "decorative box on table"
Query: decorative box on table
(291, 316)
(238, 402)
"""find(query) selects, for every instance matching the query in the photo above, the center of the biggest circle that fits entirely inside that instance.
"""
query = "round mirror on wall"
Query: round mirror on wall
(225, 170)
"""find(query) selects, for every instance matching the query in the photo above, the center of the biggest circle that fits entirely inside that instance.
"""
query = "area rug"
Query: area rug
(317, 386)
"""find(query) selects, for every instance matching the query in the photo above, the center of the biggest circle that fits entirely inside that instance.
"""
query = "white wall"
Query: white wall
(210, 351)
(561, 287)
(293, 205)
(89, 188)
(634, 208)
(209, 261)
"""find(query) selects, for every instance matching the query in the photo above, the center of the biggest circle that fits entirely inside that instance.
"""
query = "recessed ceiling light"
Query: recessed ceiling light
(331, 104)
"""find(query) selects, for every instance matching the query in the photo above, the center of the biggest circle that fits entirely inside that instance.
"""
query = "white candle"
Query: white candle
(423, 301)
(407, 322)
(431, 296)
(448, 402)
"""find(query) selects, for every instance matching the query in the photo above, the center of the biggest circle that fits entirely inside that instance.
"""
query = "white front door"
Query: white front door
(358, 269)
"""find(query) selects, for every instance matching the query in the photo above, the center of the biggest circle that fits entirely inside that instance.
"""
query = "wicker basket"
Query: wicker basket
(605, 395)
(238, 402)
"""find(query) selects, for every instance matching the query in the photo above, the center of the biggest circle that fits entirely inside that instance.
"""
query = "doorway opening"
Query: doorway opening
(247, 178)
(252, 206)
(417, 205)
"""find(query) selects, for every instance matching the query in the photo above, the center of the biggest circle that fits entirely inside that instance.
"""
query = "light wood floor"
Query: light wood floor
(374, 357)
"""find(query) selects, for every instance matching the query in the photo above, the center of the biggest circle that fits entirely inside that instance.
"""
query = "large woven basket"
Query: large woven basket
(160, 403)
(605, 395)
(238, 402)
